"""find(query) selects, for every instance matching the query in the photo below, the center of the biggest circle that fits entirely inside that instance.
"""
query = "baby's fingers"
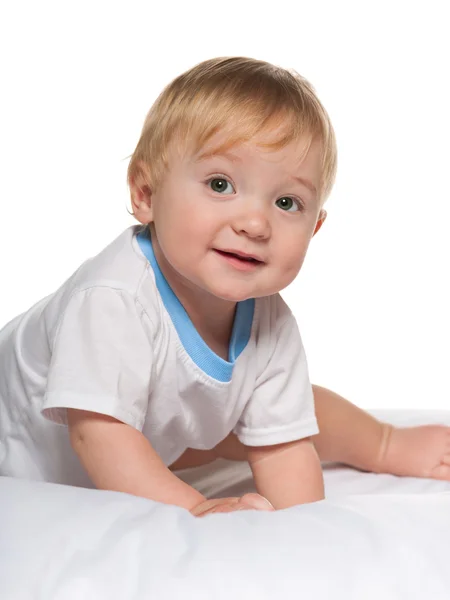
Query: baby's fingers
(225, 508)
(226, 505)
(256, 501)
(209, 506)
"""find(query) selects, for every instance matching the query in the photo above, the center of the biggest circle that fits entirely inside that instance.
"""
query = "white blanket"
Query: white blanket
(374, 537)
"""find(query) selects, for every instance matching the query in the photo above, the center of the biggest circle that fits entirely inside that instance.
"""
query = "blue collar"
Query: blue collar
(202, 355)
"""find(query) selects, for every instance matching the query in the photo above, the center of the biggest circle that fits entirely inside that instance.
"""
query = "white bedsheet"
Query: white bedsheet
(375, 536)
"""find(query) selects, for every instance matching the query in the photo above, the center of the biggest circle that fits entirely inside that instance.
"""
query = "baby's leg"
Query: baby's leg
(230, 448)
(352, 436)
(193, 458)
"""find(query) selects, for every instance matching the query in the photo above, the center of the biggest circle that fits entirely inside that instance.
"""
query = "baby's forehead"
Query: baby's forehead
(290, 156)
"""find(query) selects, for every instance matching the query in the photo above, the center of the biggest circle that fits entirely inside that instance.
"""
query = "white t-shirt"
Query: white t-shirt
(114, 339)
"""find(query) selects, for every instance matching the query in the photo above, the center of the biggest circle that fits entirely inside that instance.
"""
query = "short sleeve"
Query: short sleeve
(101, 358)
(281, 408)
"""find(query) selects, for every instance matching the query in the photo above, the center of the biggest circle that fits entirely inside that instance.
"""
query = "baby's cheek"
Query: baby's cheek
(293, 265)
(184, 229)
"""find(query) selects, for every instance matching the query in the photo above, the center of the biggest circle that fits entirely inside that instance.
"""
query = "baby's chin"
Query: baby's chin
(237, 289)
(236, 295)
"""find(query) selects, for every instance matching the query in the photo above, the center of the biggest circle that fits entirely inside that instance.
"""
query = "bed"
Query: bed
(373, 537)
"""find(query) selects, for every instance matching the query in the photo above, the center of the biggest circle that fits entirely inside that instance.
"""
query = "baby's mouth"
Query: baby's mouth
(242, 257)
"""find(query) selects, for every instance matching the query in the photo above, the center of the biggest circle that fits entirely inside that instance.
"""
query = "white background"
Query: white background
(372, 299)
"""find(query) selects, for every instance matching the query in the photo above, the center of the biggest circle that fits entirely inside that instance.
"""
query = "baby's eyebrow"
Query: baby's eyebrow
(308, 184)
(227, 155)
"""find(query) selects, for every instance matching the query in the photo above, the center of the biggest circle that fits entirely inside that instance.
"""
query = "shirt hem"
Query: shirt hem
(56, 406)
(280, 435)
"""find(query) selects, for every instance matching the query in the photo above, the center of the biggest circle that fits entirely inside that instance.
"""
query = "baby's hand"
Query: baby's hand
(223, 505)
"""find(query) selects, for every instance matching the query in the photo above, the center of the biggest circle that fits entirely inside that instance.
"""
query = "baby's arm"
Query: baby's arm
(120, 458)
(117, 457)
(287, 474)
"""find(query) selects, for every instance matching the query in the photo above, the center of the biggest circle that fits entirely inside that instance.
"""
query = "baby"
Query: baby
(172, 347)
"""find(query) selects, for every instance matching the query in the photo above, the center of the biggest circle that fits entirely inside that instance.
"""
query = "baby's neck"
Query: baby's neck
(214, 327)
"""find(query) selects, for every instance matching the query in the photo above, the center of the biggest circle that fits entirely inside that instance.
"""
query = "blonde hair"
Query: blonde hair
(243, 97)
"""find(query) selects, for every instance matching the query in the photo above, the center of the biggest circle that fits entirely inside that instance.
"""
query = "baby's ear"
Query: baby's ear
(320, 220)
(141, 195)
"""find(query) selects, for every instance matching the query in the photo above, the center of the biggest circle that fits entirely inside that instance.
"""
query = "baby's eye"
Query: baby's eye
(219, 184)
(288, 204)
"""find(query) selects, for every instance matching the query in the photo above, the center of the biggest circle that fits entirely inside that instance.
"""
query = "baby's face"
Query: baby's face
(238, 225)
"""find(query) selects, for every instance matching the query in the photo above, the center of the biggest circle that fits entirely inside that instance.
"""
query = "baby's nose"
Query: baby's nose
(255, 224)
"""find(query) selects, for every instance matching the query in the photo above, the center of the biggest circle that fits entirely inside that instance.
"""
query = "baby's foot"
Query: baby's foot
(422, 451)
